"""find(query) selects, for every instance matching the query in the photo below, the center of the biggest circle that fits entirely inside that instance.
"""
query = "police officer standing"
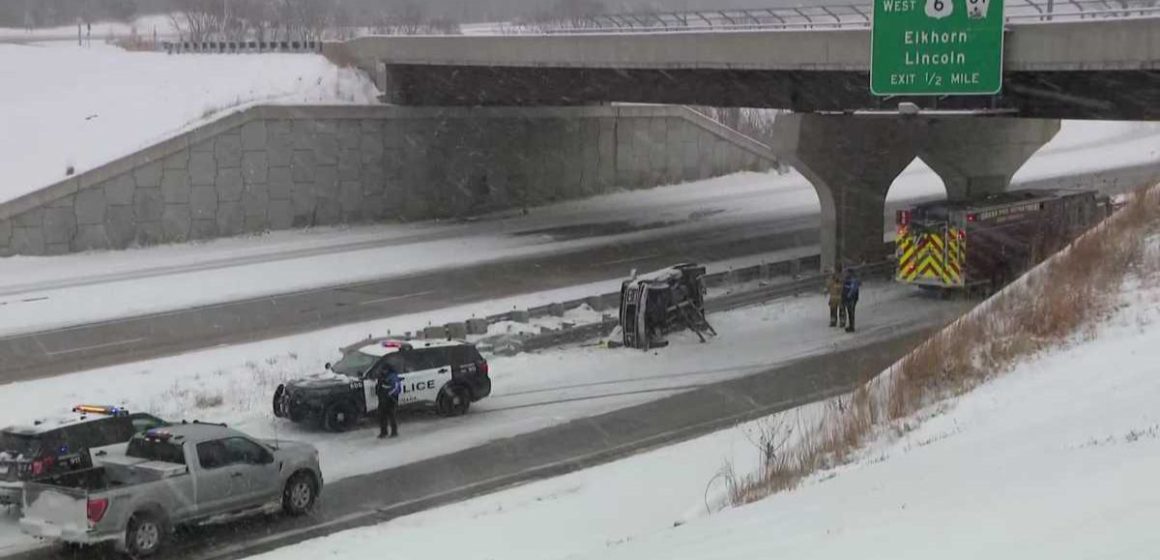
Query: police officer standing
(834, 290)
(851, 285)
(387, 388)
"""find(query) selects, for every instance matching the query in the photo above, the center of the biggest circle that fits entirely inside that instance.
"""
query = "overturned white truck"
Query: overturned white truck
(655, 304)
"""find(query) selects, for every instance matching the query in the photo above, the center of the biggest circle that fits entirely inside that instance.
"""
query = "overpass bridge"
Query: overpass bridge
(1085, 64)
(1085, 59)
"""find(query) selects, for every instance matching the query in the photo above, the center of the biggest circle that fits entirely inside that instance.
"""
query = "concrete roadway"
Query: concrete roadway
(385, 495)
(41, 354)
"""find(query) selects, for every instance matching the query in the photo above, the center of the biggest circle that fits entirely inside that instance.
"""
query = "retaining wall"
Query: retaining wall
(281, 167)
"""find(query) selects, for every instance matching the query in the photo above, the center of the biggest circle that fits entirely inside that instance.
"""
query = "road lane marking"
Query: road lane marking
(393, 298)
(93, 347)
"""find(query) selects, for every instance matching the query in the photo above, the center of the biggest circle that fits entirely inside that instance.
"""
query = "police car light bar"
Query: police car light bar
(158, 435)
(97, 409)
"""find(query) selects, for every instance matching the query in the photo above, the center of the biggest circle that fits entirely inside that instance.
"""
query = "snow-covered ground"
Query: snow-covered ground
(1056, 459)
(63, 105)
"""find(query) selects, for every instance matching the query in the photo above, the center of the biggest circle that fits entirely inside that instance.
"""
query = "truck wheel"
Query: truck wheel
(299, 495)
(453, 401)
(340, 416)
(145, 535)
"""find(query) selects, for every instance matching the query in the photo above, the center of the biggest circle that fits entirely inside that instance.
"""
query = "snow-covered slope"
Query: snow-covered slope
(64, 105)
(1056, 459)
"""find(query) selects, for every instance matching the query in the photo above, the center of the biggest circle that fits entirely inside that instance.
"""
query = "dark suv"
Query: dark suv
(50, 447)
(446, 374)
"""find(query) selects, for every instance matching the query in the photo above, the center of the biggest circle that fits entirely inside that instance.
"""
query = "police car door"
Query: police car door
(424, 368)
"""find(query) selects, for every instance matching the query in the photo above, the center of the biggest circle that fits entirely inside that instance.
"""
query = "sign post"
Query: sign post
(936, 47)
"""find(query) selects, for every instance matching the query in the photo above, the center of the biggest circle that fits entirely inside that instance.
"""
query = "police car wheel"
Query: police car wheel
(278, 400)
(340, 416)
(453, 401)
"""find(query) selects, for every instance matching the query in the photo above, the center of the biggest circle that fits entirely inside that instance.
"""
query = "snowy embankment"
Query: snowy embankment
(1055, 459)
(68, 106)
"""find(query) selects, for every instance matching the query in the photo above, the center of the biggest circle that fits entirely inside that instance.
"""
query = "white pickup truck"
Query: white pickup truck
(176, 475)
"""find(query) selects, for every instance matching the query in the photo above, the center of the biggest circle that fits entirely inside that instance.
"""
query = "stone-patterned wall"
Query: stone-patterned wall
(273, 168)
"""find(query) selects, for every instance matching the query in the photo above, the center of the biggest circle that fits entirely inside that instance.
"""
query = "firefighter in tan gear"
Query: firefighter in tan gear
(834, 289)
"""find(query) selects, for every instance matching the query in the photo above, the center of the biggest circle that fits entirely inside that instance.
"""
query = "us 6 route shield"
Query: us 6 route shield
(936, 47)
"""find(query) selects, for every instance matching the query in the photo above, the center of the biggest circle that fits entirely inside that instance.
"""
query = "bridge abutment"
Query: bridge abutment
(282, 167)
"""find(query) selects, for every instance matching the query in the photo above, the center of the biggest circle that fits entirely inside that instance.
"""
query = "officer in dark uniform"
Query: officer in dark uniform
(387, 388)
(851, 285)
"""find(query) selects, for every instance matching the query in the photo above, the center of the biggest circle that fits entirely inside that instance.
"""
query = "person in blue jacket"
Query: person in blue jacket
(388, 388)
(850, 288)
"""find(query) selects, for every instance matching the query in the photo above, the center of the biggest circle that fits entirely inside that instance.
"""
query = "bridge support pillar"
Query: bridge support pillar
(978, 156)
(851, 162)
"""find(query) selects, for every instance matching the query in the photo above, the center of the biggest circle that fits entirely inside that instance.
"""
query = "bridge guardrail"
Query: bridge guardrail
(845, 16)
(232, 47)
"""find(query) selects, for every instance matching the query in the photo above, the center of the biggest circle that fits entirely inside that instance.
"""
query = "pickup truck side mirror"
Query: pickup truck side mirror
(327, 366)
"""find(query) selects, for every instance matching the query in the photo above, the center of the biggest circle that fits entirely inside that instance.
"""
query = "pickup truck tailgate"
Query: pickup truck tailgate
(51, 511)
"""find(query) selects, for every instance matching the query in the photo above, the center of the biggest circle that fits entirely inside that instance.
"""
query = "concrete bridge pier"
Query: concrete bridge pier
(851, 162)
(978, 156)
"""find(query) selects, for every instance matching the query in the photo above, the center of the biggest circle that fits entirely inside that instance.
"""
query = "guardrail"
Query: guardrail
(803, 272)
(840, 16)
(812, 283)
(240, 47)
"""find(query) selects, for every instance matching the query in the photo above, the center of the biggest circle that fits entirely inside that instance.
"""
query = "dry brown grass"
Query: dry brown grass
(1074, 290)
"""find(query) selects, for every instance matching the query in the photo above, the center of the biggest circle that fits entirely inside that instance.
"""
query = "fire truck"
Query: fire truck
(985, 243)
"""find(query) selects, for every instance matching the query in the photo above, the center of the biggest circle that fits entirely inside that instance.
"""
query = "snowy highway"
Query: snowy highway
(532, 392)
(619, 402)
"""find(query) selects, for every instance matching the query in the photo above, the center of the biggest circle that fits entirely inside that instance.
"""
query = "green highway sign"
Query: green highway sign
(936, 47)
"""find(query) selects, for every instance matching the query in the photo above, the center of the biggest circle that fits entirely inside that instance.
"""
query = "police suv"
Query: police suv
(446, 374)
(51, 446)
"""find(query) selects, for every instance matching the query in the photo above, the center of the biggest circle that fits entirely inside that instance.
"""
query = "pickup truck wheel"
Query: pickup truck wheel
(145, 535)
(299, 495)
(340, 416)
